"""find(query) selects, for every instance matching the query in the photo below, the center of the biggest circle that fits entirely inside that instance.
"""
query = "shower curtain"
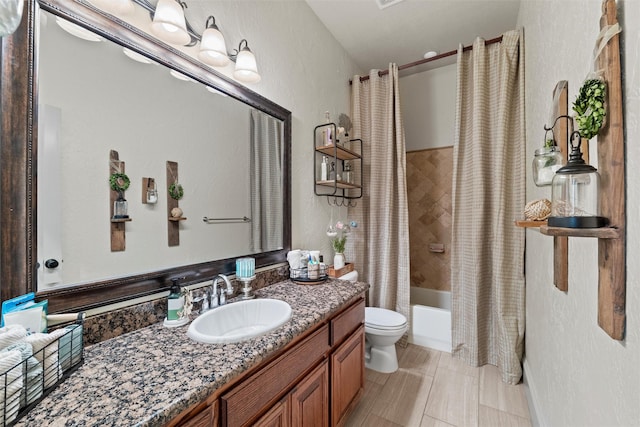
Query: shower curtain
(380, 243)
(265, 166)
(487, 250)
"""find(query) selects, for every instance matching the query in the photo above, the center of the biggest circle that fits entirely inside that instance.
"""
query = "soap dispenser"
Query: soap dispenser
(175, 302)
(175, 306)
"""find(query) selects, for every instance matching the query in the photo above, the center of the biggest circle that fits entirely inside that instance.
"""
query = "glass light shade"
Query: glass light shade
(10, 16)
(575, 195)
(115, 7)
(77, 30)
(136, 56)
(546, 162)
(213, 49)
(178, 75)
(169, 23)
(246, 68)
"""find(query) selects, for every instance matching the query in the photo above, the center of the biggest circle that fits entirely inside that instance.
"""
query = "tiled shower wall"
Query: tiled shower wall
(429, 175)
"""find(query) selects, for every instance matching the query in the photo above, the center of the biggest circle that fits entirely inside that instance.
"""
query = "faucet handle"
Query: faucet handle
(213, 297)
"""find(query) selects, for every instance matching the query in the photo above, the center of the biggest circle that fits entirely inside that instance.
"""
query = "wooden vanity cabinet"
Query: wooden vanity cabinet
(313, 383)
(200, 417)
(278, 416)
(347, 376)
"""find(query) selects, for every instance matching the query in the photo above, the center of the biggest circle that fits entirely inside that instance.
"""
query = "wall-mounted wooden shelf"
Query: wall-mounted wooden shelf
(339, 157)
(118, 240)
(611, 164)
(173, 227)
(339, 184)
(182, 218)
(599, 233)
(116, 220)
(339, 153)
(529, 224)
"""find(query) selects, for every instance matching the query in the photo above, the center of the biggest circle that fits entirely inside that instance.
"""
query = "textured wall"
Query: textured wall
(577, 375)
(428, 102)
(429, 194)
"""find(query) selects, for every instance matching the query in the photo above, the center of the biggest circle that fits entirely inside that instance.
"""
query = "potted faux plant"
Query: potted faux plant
(339, 244)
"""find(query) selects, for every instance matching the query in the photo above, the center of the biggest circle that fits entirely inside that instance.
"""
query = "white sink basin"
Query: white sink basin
(239, 321)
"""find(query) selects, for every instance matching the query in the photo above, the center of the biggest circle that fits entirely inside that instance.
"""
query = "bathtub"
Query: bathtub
(430, 318)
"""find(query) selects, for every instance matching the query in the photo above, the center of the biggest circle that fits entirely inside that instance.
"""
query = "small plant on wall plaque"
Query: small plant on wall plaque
(119, 182)
(589, 107)
(176, 191)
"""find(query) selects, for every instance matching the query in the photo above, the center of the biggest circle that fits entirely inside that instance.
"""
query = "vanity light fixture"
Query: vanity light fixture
(169, 23)
(246, 67)
(213, 49)
(116, 7)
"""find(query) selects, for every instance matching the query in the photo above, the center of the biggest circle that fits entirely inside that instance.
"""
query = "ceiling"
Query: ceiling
(403, 31)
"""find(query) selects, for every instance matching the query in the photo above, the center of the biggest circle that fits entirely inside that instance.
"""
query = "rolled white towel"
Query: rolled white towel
(31, 373)
(11, 334)
(45, 349)
(11, 384)
(70, 347)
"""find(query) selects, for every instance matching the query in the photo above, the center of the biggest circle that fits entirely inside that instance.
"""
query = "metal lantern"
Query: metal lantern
(575, 193)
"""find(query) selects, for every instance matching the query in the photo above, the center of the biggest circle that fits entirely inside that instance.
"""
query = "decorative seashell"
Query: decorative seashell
(537, 210)
(176, 212)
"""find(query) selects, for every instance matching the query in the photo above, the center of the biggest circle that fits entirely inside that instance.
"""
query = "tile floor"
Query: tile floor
(432, 389)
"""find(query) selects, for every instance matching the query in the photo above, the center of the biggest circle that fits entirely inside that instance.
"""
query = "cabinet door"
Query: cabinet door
(278, 416)
(347, 375)
(310, 399)
(208, 417)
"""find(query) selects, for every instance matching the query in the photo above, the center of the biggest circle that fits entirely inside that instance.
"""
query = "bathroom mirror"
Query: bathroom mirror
(85, 98)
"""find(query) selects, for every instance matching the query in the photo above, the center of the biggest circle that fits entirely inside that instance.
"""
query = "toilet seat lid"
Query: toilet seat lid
(382, 318)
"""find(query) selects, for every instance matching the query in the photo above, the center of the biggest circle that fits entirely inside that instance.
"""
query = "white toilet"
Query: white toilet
(382, 328)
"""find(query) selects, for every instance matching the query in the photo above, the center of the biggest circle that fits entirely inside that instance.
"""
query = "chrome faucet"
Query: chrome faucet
(220, 298)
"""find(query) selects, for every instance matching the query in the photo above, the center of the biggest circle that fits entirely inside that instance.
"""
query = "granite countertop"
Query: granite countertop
(149, 376)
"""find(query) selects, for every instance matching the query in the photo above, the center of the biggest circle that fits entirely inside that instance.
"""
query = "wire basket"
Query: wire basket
(316, 273)
(35, 374)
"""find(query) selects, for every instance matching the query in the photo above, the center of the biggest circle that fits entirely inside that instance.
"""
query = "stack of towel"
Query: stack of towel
(30, 363)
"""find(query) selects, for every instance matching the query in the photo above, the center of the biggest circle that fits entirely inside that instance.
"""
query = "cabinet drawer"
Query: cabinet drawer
(248, 399)
(347, 322)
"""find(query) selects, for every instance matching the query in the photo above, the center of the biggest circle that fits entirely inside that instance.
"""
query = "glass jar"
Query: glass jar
(575, 195)
(546, 162)
(152, 195)
(120, 207)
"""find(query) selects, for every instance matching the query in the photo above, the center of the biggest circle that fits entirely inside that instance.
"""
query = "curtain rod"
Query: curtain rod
(433, 58)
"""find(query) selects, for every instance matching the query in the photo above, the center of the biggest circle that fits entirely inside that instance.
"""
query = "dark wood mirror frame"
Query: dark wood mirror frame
(18, 160)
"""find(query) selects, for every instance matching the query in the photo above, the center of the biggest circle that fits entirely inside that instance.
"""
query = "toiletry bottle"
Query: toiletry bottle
(332, 171)
(175, 301)
(346, 172)
(323, 168)
(327, 132)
